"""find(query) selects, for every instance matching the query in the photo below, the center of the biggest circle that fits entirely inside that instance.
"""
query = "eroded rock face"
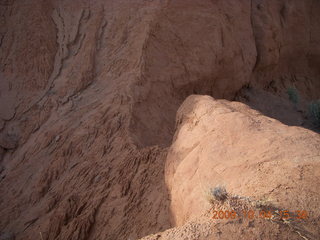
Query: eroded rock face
(287, 44)
(89, 91)
(74, 172)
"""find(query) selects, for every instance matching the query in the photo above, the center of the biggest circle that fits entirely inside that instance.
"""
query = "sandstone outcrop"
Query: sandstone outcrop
(257, 159)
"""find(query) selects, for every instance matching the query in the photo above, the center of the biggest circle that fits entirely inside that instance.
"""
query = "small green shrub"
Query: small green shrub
(314, 109)
(293, 95)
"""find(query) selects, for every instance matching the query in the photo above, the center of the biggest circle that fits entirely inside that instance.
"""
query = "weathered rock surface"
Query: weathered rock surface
(89, 92)
(221, 143)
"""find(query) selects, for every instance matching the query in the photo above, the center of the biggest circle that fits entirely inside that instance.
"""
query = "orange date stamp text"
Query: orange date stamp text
(251, 214)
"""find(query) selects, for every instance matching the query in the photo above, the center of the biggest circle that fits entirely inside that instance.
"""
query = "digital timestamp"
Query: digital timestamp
(250, 214)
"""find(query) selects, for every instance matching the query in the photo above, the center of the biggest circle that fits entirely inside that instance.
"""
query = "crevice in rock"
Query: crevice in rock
(254, 36)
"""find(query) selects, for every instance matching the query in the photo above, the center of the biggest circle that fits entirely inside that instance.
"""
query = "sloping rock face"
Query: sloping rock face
(70, 169)
(256, 158)
(89, 92)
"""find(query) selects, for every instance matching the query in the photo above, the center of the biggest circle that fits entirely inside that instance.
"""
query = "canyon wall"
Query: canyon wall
(89, 92)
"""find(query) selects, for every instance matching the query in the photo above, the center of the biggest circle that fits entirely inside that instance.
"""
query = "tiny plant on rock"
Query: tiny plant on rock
(314, 110)
(219, 193)
(293, 95)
